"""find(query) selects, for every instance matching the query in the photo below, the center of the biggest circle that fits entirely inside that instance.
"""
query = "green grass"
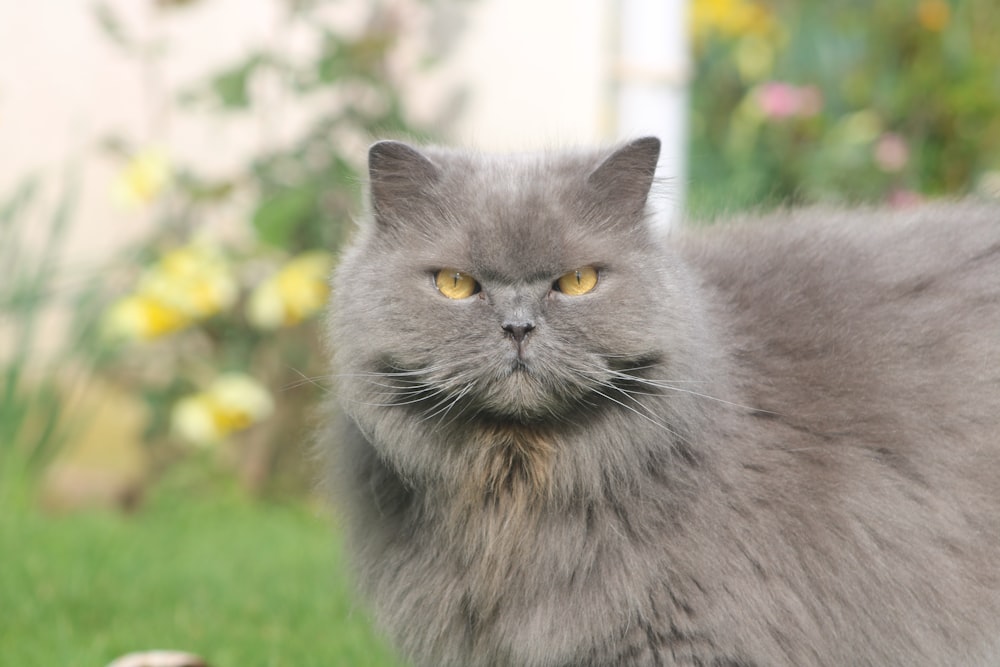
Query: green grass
(241, 584)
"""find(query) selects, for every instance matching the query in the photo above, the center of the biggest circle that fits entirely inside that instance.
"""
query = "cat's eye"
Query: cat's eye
(577, 282)
(454, 284)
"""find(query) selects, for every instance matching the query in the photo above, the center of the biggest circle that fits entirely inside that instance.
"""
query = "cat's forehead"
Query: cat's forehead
(515, 219)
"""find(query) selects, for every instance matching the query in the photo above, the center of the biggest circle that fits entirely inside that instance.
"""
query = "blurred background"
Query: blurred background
(176, 177)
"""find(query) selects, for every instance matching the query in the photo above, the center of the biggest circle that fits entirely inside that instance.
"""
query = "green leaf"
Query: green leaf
(108, 20)
(281, 214)
(231, 86)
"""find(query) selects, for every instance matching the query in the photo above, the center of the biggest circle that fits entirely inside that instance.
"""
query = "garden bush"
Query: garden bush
(851, 101)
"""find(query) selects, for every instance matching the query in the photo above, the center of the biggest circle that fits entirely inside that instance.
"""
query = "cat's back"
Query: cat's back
(840, 318)
(847, 258)
(866, 351)
(863, 306)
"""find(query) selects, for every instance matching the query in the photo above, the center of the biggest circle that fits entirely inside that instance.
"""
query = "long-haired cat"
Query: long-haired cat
(564, 440)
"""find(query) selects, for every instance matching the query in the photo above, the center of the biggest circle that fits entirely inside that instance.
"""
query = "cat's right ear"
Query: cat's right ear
(400, 177)
(623, 180)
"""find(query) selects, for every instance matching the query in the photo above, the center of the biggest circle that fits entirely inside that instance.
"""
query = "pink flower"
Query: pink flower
(778, 100)
(903, 198)
(891, 153)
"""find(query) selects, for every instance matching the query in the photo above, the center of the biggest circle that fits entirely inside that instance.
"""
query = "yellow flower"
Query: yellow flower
(233, 402)
(138, 316)
(730, 18)
(193, 279)
(187, 284)
(143, 179)
(934, 15)
(299, 289)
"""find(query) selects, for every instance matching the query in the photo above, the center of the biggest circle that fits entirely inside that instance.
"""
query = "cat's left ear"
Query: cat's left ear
(401, 178)
(623, 180)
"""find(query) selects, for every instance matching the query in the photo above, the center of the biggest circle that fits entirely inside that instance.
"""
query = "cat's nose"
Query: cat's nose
(518, 330)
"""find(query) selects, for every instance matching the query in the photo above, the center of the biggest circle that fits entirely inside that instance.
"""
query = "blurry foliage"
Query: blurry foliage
(216, 329)
(36, 382)
(806, 101)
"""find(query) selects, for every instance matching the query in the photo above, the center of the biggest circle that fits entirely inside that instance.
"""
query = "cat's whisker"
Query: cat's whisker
(356, 401)
(639, 408)
(419, 399)
(306, 380)
(314, 381)
(411, 395)
(396, 389)
(443, 399)
(429, 390)
(395, 373)
(402, 371)
(399, 383)
(411, 387)
(631, 395)
(595, 377)
(461, 410)
(638, 413)
(671, 386)
(444, 406)
(632, 369)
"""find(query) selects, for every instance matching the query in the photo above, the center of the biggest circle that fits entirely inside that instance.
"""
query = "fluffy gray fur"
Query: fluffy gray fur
(767, 443)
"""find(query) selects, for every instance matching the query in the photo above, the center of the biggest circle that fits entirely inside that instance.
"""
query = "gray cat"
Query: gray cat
(565, 441)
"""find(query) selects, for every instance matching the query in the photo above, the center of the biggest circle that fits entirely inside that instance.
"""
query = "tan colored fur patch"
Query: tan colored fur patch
(513, 463)
(500, 506)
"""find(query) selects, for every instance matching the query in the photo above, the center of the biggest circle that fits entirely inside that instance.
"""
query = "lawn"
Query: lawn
(240, 583)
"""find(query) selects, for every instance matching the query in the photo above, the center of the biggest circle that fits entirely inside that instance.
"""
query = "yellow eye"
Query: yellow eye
(454, 284)
(578, 282)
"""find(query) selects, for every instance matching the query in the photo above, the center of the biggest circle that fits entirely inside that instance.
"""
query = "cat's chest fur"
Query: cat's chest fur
(776, 443)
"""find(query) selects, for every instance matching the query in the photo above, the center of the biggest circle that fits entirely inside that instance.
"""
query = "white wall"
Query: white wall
(538, 72)
(64, 87)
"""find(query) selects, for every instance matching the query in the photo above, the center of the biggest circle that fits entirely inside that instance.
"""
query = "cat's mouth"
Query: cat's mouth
(520, 393)
(519, 365)
(518, 388)
(512, 390)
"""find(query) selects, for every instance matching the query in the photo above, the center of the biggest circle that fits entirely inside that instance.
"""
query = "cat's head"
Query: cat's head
(522, 288)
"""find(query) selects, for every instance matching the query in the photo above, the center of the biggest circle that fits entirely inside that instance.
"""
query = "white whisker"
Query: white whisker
(442, 407)
(637, 412)
(306, 380)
